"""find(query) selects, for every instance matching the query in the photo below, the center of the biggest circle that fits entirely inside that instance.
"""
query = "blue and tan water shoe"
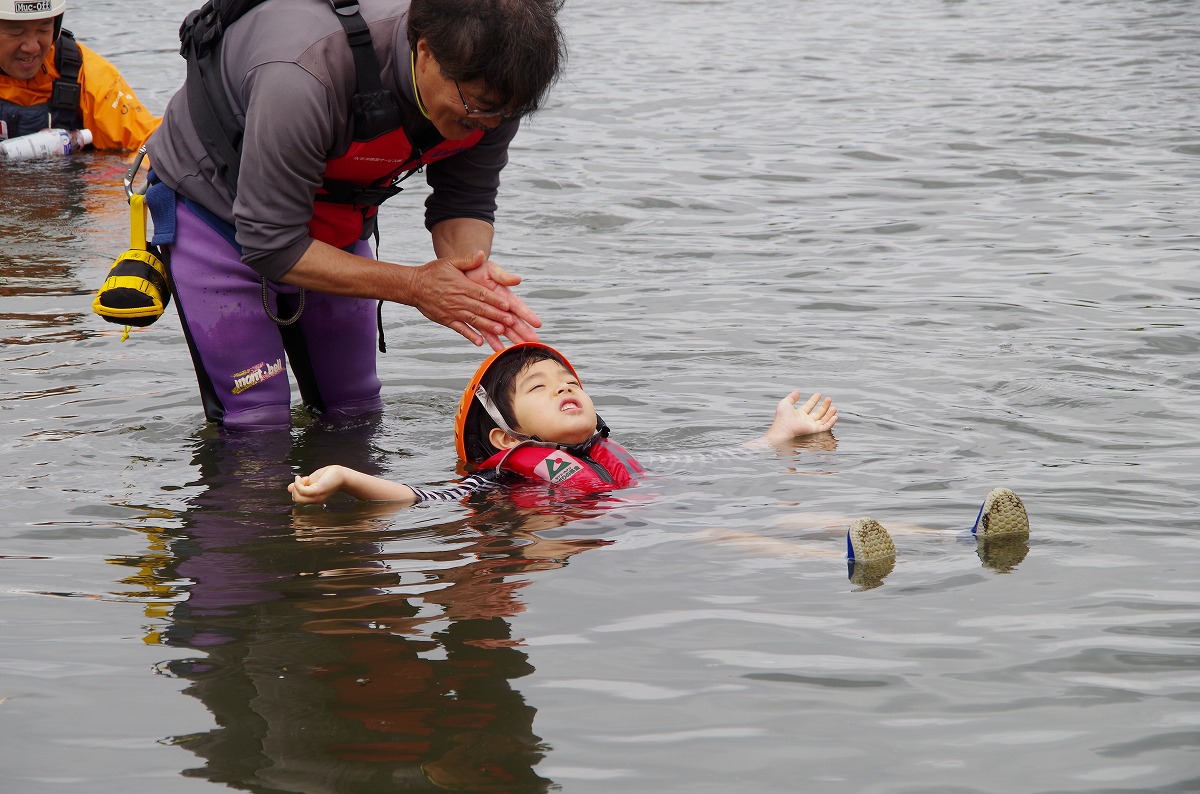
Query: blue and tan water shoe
(870, 553)
(1002, 515)
(867, 541)
(1001, 531)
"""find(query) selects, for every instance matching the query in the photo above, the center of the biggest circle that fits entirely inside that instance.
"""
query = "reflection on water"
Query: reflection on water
(50, 210)
(337, 655)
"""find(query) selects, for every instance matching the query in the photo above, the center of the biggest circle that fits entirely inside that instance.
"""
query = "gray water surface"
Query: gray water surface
(974, 225)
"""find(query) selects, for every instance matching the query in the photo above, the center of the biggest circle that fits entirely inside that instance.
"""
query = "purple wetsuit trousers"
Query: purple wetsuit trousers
(239, 352)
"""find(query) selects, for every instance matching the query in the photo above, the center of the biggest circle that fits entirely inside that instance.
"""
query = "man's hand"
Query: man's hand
(495, 278)
(471, 296)
(468, 294)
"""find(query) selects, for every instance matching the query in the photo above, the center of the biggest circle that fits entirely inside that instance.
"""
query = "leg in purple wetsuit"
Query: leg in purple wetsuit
(239, 352)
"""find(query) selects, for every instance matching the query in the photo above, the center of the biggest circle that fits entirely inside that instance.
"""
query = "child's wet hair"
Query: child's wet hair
(500, 382)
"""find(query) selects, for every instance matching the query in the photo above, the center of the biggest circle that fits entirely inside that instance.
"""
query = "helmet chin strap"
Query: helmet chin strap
(528, 440)
(494, 412)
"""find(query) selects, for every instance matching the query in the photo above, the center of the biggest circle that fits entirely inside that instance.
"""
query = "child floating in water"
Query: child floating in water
(525, 417)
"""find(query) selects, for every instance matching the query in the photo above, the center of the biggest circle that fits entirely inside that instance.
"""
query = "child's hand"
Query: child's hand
(792, 421)
(317, 487)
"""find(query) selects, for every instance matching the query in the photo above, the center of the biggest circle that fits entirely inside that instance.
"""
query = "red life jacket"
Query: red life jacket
(605, 466)
(366, 165)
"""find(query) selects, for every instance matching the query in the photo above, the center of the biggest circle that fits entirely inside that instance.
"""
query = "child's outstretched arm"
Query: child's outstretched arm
(323, 483)
(816, 415)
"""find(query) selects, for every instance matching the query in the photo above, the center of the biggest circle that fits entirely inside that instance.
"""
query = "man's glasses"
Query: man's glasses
(472, 113)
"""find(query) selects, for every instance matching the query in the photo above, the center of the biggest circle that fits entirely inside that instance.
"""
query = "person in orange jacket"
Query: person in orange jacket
(47, 79)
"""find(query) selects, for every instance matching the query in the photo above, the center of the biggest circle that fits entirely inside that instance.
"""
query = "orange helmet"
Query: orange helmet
(475, 398)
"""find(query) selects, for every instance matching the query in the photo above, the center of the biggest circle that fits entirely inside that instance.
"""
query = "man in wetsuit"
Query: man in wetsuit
(276, 266)
(47, 79)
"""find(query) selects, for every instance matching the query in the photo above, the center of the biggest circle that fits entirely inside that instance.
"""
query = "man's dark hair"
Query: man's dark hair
(500, 382)
(515, 47)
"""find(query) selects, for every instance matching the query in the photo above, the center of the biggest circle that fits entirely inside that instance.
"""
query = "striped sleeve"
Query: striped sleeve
(475, 483)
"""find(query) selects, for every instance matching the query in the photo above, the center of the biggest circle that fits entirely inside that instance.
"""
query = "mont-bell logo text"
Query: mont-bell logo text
(31, 6)
(256, 375)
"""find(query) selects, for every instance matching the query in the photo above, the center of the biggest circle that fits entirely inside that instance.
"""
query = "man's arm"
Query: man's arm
(281, 168)
(467, 294)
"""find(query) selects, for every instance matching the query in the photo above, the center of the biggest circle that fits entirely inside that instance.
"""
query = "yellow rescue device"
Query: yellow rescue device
(136, 291)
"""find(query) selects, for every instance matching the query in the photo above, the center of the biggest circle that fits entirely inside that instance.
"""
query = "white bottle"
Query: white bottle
(47, 143)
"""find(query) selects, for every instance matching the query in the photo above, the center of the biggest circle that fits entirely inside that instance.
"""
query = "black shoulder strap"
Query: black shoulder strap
(374, 108)
(212, 114)
(208, 24)
(64, 97)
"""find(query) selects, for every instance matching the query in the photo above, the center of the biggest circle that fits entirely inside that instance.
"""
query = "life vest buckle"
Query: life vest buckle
(336, 192)
(65, 95)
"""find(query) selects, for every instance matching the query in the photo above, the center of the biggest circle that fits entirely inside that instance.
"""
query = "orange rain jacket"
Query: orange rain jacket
(108, 105)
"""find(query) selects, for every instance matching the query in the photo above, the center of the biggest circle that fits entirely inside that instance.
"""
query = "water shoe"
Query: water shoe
(870, 553)
(1002, 531)
(1002, 515)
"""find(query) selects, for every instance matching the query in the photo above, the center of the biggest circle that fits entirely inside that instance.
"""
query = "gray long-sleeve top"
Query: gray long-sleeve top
(289, 75)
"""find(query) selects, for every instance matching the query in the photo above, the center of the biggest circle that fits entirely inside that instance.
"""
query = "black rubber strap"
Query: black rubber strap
(66, 93)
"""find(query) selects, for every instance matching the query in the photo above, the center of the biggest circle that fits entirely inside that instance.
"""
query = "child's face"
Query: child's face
(549, 403)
